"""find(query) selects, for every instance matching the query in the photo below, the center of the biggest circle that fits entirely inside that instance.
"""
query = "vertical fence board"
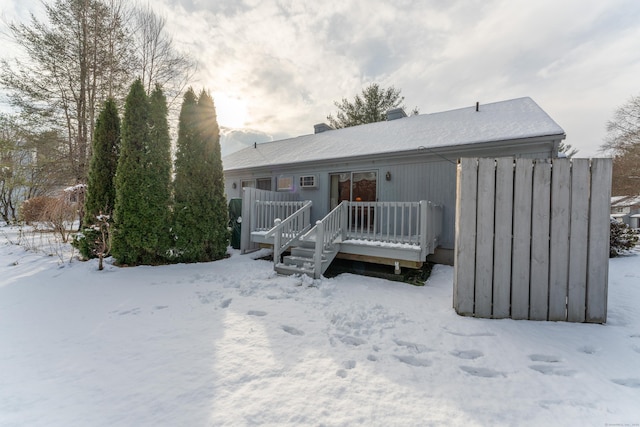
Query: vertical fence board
(484, 237)
(559, 248)
(540, 210)
(245, 227)
(520, 269)
(578, 243)
(599, 228)
(466, 194)
(503, 234)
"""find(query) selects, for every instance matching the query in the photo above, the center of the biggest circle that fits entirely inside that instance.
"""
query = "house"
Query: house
(626, 209)
(382, 192)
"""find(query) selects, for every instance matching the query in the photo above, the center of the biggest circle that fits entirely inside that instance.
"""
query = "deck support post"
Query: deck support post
(344, 220)
(276, 242)
(424, 228)
(317, 267)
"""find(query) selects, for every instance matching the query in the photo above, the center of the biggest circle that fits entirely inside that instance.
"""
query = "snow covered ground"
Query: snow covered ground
(231, 343)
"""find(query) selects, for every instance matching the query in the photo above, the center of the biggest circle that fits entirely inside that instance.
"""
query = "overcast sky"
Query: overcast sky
(275, 67)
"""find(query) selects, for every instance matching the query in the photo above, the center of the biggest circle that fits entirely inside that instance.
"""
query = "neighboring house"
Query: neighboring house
(626, 209)
(369, 172)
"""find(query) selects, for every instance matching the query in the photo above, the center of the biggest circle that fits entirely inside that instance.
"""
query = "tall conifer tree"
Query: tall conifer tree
(218, 217)
(200, 210)
(185, 221)
(101, 190)
(135, 240)
(159, 171)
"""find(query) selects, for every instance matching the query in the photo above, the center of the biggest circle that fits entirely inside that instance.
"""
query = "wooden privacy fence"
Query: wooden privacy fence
(532, 239)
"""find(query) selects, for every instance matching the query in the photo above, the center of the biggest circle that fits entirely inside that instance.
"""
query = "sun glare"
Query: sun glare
(231, 111)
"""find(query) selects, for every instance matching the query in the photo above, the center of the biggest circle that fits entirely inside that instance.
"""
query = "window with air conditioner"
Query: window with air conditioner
(308, 181)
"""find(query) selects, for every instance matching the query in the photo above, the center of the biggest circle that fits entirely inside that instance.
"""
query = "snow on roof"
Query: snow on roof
(616, 199)
(621, 201)
(507, 120)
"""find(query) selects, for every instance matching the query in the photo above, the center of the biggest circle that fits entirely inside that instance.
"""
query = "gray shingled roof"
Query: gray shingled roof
(507, 120)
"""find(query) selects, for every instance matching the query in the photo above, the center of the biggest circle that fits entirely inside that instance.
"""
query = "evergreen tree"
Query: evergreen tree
(159, 171)
(134, 240)
(101, 190)
(200, 209)
(217, 218)
(185, 220)
(371, 107)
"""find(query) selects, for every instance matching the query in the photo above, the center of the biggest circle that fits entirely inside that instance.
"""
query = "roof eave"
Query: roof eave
(421, 150)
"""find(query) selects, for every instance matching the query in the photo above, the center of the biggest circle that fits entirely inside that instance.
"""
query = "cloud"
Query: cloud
(232, 140)
(287, 61)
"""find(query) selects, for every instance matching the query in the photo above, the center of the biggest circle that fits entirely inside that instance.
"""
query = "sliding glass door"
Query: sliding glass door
(353, 186)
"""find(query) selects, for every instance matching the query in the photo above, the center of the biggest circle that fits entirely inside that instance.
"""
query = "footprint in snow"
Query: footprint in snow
(349, 364)
(291, 330)
(553, 370)
(548, 404)
(467, 354)
(160, 307)
(482, 372)
(351, 340)
(414, 361)
(418, 348)
(225, 303)
(471, 334)
(258, 313)
(544, 358)
(134, 311)
(588, 349)
(628, 382)
(206, 297)
(549, 369)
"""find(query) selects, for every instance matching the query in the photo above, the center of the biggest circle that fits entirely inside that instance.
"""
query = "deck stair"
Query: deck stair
(302, 258)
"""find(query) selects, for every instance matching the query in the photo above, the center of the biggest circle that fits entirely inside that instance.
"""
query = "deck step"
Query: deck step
(307, 244)
(300, 260)
(307, 252)
(303, 252)
(290, 270)
(300, 265)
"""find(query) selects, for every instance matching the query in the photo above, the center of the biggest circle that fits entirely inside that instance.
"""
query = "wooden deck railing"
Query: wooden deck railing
(328, 229)
(288, 230)
(393, 222)
(414, 223)
(431, 217)
(266, 212)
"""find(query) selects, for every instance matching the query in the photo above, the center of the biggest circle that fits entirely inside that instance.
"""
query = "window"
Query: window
(263, 184)
(247, 183)
(285, 183)
(308, 181)
(354, 186)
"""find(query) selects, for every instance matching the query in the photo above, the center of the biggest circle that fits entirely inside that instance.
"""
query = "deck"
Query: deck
(393, 233)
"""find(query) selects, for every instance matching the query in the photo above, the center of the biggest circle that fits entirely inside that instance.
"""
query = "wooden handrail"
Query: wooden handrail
(287, 231)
